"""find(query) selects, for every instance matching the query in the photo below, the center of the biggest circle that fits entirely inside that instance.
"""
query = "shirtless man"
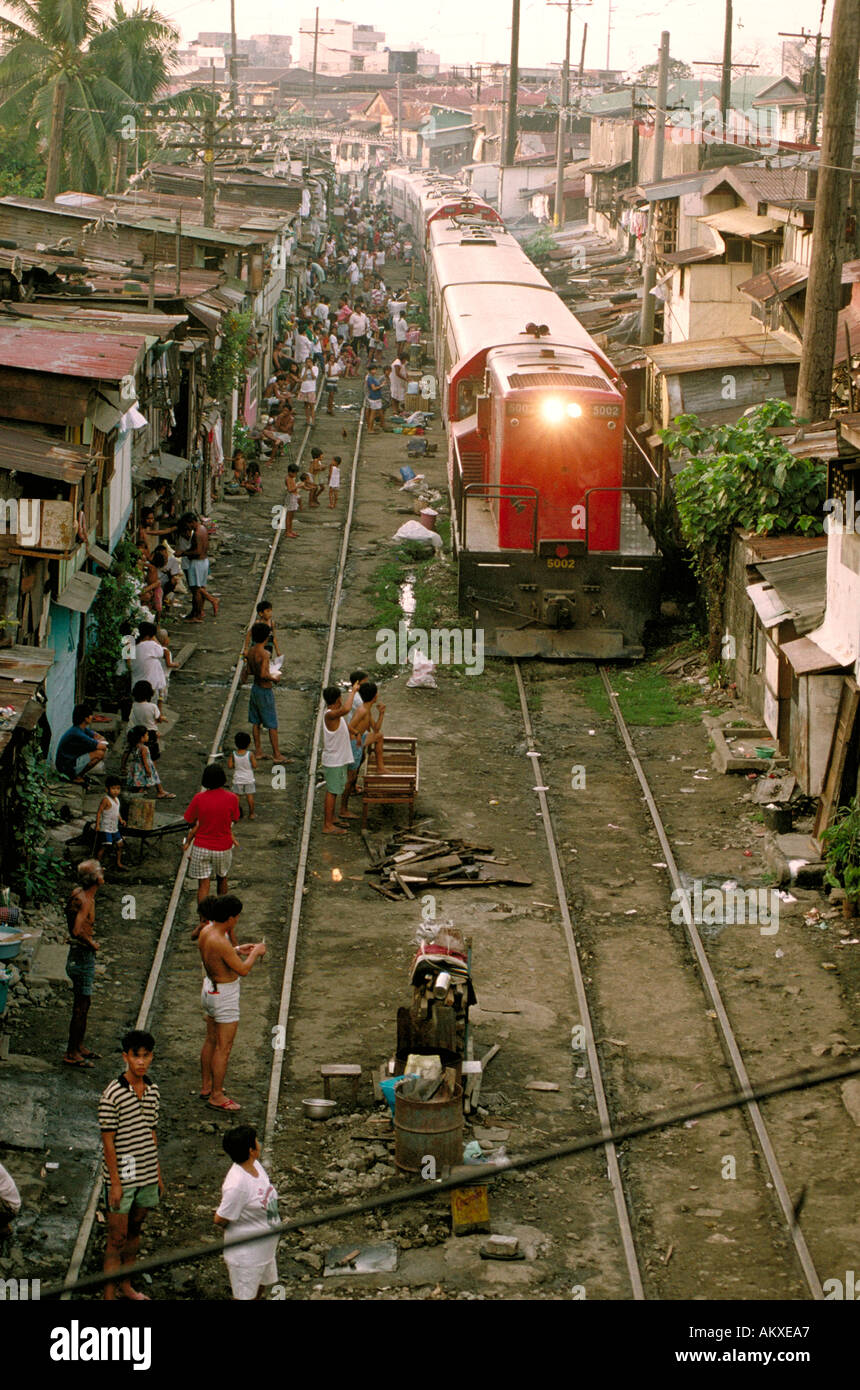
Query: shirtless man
(81, 960)
(223, 965)
(261, 706)
(365, 734)
(197, 571)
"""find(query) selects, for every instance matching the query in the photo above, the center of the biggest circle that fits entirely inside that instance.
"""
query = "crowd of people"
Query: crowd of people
(322, 340)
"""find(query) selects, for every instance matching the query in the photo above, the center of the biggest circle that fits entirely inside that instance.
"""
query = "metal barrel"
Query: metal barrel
(427, 1129)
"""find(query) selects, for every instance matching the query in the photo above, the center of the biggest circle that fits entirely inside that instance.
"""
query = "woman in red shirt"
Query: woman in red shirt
(211, 815)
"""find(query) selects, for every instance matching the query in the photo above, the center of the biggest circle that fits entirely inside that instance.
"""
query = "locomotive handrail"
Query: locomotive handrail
(500, 490)
(589, 490)
(638, 447)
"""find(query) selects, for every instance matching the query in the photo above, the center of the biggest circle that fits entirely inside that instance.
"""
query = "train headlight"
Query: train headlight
(553, 410)
(574, 410)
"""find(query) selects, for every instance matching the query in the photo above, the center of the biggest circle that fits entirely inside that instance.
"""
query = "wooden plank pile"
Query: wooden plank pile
(411, 861)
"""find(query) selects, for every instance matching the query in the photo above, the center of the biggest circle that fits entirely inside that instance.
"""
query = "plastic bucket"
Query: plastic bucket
(427, 1129)
(407, 473)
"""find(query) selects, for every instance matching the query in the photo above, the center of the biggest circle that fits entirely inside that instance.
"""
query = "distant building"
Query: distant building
(213, 45)
(343, 46)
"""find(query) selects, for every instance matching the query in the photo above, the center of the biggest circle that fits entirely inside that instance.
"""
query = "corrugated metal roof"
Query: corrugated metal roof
(57, 351)
(741, 350)
(801, 583)
(22, 671)
(692, 254)
(40, 454)
(767, 548)
(66, 311)
(739, 222)
(807, 658)
(777, 283)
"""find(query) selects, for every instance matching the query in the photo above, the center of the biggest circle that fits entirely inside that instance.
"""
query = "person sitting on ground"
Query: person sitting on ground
(253, 483)
(80, 751)
(224, 965)
(249, 1206)
(108, 822)
(338, 756)
(211, 815)
(152, 594)
(168, 569)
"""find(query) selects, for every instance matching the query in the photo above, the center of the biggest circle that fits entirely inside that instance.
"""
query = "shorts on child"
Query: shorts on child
(261, 707)
(209, 863)
(335, 778)
(245, 788)
(108, 837)
(358, 751)
(292, 503)
(220, 1002)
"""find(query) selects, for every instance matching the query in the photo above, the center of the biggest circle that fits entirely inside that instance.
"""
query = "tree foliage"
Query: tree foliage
(234, 356)
(70, 75)
(678, 70)
(739, 475)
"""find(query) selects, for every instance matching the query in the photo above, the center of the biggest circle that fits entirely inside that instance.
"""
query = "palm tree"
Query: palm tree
(54, 77)
(138, 47)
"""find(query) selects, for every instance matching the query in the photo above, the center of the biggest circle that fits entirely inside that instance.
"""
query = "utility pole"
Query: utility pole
(234, 81)
(55, 147)
(831, 204)
(513, 87)
(316, 31)
(399, 117)
(649, 270)
(726, 75)
(608, 32)
(209, 130)
(558, 213)
(814, 94)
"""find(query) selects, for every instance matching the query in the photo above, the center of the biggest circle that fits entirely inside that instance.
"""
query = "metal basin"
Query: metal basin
(318, 1109)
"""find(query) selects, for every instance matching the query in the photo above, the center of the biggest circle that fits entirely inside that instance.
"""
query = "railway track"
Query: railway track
(732, 1166)
(155, 1009)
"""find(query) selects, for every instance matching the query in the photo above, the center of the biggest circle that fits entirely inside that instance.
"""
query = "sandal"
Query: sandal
(226, 1104)
(78, 1062)
(204, 1095)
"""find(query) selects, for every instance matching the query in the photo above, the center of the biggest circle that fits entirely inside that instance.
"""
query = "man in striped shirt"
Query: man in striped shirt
(128, 1116)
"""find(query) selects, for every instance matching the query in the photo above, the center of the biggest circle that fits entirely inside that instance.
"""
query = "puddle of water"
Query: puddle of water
(406, 598)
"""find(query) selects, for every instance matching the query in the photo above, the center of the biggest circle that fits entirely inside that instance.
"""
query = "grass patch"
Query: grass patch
(645, 695)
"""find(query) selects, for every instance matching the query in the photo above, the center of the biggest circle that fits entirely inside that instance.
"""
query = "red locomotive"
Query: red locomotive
(552, 500)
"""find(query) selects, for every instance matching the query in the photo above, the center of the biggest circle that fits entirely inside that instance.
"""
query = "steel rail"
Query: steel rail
(712, 989)
(613, 1168)
(301, 869)
(146, 1004)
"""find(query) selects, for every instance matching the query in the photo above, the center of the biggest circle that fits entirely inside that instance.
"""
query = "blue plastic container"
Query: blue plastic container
(407, 473)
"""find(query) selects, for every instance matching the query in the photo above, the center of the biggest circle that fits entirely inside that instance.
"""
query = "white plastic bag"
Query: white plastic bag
(414, 531)
(422, 672)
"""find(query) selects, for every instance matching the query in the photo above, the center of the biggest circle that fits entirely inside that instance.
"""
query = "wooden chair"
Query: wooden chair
(398, 784)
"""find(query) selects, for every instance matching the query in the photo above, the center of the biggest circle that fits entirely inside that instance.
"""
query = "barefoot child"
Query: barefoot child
(365, 732)
(333, 480)
(140, 770)
(337, 758)
(109, 820)
(264, 615)
(292, 503)
(243, 765)
(312, 488)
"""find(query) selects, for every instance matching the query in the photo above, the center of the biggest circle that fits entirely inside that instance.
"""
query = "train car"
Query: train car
(424, 197)
(552, 500)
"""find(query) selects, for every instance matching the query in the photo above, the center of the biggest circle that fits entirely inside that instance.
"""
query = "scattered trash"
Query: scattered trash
(542, 1086)
(785, 897)
(411, 858)
(501, 1248)
(779, 954)
(414, 531)
(364, 1259)
(422, 672)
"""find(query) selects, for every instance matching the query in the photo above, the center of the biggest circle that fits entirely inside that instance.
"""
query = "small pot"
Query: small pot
(849, 907)
(318, 1109)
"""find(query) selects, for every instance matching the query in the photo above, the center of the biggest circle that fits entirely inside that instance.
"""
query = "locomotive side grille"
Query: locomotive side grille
(521, 380)
(473, 468)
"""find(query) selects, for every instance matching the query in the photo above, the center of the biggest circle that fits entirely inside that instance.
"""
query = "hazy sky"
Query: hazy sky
(696, 26)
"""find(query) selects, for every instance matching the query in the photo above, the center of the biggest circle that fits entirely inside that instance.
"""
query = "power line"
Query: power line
(477, 1174)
